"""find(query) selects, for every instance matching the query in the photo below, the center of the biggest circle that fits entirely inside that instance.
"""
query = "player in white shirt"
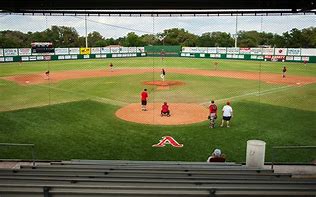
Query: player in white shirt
(227, 114)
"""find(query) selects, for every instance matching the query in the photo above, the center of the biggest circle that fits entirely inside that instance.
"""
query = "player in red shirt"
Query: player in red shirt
(165, 109)
(144, 96)
(213, 114)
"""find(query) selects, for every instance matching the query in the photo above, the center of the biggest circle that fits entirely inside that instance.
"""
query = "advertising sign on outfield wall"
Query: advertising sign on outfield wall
(233, 50)
(25, 58)
(25, 51)
(74, 51)
(1, 59)
(8, 59)
(105, 50)
(124, 50)
(1, 53)
(10, 52)
(95, 50)
(255, 51)
(211, 50)
(202, 49)
(244, 50)
(194, 50)
(268, 51)
(186, 49)
(293, 51)
(140, 49)
(61, 51)
(115, 50)
(85, 51)
(280, 51)
(305, 59)
(308, 52)
(132, 49)
(221, 50)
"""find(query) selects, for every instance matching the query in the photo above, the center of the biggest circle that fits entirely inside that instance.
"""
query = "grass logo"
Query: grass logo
(168, 140)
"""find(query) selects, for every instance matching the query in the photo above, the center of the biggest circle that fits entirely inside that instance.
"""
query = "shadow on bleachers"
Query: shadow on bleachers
(144, 178)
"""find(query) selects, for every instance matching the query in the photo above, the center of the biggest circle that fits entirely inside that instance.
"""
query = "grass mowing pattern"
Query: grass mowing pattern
(88, 130)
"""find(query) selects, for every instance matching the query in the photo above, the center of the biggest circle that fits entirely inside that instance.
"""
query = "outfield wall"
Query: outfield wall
(26, 54)
(259, 54)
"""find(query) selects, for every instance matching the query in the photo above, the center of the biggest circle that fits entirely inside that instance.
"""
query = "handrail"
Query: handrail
(27, 145)
(288, 147)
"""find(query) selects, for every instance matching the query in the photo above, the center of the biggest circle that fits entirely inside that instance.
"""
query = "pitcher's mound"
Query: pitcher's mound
(181, 113)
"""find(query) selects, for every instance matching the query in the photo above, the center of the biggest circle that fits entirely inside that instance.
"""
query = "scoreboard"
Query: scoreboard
(42, 47)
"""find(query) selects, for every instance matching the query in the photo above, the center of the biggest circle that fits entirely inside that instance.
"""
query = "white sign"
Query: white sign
(61, 57)
(289, 58)
(293, 51)
(86, 56)
(115, 50)
(61, 51)
(32, 58)
(132, 49)
(25, 58)
(10, 52)
(105, 50)
(1, 53)
(74, 57)
(67, 57)
(25, 51)
(95, 50)
(124, 50)
(268, 51)
(305, 59)
(186, 49)
(211, 50)
(233, 50)
(256, 51)
(308, 52)
(221, 50)
(74, 51)
(297, 58)
(8, 59)
(280, 51)
(40, 57)
(140, 49)
(202, 55)
(1, 59)
(202, 49)
(194, 50)
(244, 50)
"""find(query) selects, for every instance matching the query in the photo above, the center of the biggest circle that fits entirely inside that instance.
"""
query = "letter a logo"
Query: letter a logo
(168, 140)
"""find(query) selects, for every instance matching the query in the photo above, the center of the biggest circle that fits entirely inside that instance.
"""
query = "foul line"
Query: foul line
(256, 93)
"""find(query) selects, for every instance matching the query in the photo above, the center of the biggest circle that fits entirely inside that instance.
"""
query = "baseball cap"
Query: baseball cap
(217, 152)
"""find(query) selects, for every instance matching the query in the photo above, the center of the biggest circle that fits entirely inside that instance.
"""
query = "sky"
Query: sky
(113, 26)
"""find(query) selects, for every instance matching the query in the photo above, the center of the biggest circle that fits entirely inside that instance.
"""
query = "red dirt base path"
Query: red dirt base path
(29, 79)
(181, 113)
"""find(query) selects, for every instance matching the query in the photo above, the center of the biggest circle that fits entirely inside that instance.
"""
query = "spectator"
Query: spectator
(217, 156)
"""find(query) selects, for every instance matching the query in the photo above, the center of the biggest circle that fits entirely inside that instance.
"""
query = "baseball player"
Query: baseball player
(163, 74)
(213, 114)
(144, 97)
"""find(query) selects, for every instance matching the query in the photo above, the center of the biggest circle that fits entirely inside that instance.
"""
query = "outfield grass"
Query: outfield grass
(75, 118)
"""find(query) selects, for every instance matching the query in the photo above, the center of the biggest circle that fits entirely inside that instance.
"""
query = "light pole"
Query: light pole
(236, 30)
(86, 29)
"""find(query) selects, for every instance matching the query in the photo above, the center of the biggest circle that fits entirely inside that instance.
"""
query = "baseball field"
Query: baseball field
(83, 110)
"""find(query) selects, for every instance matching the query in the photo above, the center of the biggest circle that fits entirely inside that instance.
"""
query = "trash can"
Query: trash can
(255, 153)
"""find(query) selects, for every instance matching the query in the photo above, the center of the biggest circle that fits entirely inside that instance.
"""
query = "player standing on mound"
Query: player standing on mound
(163, 74)
(144, 96)
(213, 114)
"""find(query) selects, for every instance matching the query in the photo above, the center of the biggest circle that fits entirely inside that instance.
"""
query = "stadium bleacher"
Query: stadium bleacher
(145, 178)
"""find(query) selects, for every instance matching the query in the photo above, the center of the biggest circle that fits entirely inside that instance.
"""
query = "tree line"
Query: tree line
(62, 36)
